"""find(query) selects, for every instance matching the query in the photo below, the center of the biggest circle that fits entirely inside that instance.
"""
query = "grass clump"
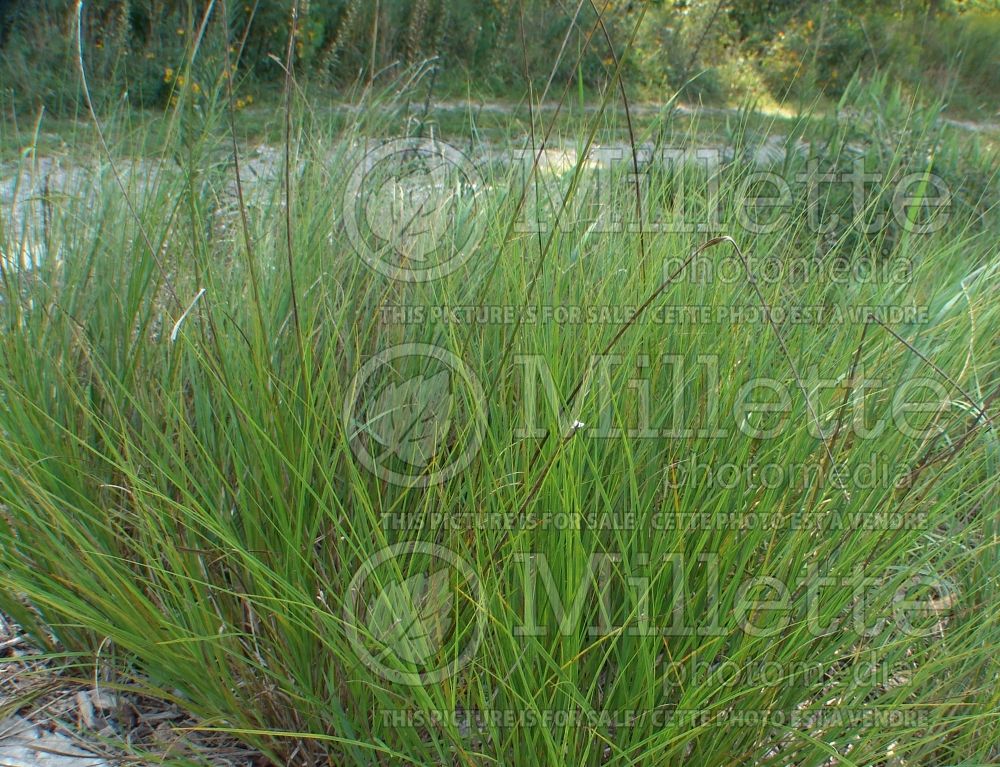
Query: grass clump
(360, 499)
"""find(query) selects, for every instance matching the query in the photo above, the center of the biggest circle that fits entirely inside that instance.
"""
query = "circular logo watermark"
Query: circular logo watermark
(411, 209)
(414, 415)
(412, 614)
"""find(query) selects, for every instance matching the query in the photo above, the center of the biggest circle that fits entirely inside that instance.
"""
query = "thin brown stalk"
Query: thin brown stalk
(114, 168)
(631, 136)
(938, 370)
(289, 243)
(628, 323)
(574, 181)
(752, 279)
(241, 200)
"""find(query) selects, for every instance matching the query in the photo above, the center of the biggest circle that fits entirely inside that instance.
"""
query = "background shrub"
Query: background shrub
(715, 50)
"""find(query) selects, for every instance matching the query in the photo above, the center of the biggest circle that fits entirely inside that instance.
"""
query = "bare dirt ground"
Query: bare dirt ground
(50, 716)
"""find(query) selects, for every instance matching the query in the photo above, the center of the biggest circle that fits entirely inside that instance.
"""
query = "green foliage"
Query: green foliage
(710, 51)
(875, 126)
(179, 482)
(129, 46)
(954, 55)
